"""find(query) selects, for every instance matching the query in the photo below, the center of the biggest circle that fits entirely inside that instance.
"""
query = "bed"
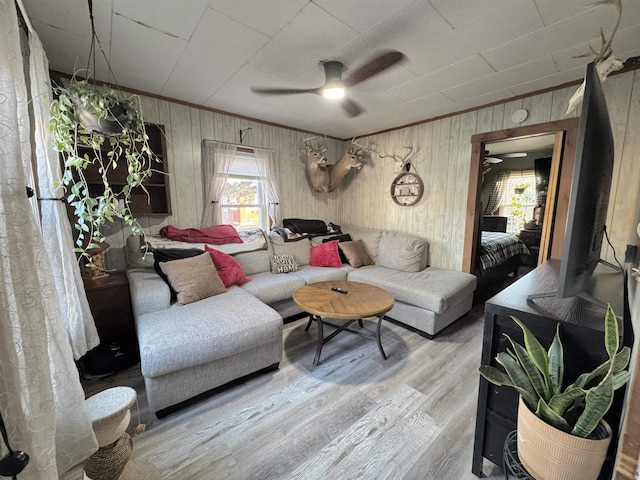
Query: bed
(499, 255)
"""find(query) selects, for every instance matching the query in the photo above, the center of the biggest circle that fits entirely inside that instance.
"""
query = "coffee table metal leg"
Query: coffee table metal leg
(309, 324)
(316, 360)
(380, 317)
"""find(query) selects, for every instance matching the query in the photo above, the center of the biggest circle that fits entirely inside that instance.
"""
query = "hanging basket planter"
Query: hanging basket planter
(99, 128)
(551, 454)
(110, 125)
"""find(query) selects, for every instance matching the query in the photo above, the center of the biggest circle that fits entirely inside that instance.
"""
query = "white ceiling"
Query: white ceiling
(460, 53)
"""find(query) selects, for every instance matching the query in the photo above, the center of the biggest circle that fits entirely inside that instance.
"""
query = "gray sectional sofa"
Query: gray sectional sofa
(189, 349)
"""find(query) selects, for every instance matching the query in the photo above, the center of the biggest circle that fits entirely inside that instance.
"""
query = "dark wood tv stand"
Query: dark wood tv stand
(581, 331)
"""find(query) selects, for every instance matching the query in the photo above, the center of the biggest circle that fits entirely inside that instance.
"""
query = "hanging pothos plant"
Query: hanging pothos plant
(98, 129)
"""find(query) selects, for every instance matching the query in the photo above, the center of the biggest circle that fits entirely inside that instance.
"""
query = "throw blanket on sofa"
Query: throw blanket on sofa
(297, 228)
(252, 239)
(214, 235)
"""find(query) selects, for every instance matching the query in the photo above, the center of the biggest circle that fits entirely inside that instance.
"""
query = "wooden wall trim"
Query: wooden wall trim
(472, 227)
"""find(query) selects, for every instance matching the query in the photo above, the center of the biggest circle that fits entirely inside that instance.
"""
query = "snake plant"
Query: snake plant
(537, 375)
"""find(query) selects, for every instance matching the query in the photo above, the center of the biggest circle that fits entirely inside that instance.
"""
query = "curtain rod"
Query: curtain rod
(242, 148)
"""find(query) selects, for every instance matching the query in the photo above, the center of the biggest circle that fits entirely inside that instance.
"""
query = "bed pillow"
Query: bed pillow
(228, 268)
(193, 278)
(356, 253)
(326, 255)
(283, 264)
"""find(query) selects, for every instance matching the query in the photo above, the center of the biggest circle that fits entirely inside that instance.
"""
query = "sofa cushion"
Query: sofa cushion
(356, 253)
(195, 334)
(325, 255)
(300, 249)
(434, 289)
(370, 237)
(402, 251)
(271, 288)
(228, 268)
(193, 278)
(169, 255)
(321, 274)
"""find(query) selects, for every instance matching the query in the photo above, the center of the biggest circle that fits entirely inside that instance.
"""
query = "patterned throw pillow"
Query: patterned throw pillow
(283, 264)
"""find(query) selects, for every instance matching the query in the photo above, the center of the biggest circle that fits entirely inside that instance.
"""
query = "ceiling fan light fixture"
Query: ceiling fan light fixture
(333, 92)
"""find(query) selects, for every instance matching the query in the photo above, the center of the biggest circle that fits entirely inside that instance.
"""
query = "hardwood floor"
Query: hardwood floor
(355, 416)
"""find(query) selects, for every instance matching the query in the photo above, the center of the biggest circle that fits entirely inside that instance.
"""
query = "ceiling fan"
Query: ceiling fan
(335, 87)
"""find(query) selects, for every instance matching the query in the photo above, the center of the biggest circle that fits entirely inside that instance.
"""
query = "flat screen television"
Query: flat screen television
(590, 189)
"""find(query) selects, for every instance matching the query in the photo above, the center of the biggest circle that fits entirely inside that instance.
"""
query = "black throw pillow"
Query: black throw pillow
(345, 237)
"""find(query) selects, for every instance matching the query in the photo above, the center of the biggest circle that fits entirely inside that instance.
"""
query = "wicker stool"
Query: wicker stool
(110, 418)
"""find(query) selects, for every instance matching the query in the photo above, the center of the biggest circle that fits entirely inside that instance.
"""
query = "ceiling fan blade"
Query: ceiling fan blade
(284, 91)
(375, 66)
(351, 108)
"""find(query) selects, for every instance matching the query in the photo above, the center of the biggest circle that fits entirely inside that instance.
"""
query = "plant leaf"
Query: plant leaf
(517, 375)
(611, 339)
(597, 403)
(561, 402)
(536, 351)
(535, 377)
(556, 363)
(495, 376)
(552, 418)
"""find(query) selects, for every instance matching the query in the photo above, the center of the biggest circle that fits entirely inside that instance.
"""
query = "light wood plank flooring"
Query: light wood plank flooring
(355, 416)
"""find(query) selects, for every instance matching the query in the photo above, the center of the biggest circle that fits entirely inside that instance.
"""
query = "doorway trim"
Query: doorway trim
(472, 220)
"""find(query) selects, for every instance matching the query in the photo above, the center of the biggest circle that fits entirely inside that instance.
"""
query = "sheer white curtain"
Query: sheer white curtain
(266, 161)
(41, 398)
(217, 158)
(58, 239)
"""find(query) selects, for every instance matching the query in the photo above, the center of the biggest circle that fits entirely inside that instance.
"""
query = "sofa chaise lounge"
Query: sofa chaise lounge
(186, 350)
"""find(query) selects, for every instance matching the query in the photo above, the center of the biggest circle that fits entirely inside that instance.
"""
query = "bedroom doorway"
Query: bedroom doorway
(560, 137)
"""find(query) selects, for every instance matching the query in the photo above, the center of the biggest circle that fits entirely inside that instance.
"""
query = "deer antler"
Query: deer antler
(603, 60)
(605, 50)
(400, 160)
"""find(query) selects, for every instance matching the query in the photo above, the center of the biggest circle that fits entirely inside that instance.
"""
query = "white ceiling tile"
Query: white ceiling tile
(210, 59)
(73, 16)
(459, 12)
(575, 30)
(360, 18)
(237, 91)
(478, 101)
(71, 60)
(406, 30)
(171, 17)
(503, 79)
(517, 18)
(267, 17)
(143, 58)
(461, 72)
(541, 83)
(303, 42)
(553, 11)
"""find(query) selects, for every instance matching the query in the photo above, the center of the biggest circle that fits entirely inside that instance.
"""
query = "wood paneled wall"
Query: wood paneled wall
(364, 198)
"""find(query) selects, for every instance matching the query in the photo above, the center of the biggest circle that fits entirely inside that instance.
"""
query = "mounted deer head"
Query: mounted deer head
(402, 162)
(317, 172)
(352, 158)
(603, 60)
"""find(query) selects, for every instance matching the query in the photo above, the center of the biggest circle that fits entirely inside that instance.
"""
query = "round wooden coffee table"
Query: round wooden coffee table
(360, 301)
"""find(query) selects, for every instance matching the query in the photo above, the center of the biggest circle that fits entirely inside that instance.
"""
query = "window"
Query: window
(519, 199)
(244, 202)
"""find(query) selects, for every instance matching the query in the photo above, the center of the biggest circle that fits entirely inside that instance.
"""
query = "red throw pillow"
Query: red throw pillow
(326, 255)
(228, 268)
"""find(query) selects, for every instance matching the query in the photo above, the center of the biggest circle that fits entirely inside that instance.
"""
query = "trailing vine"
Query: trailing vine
(128, 142)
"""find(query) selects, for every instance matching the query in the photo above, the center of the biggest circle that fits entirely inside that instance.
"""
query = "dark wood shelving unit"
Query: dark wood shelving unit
(156, 200)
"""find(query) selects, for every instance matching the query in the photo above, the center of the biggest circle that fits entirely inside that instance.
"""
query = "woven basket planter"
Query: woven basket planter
(551, 454)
